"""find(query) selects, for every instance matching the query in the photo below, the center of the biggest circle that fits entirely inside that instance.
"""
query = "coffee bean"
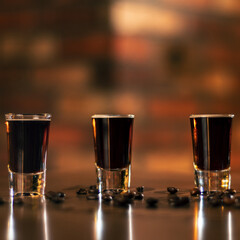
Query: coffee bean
(129, 195)
(92, 197)
(61, 194)
(54, 197)
(107, 197)
(139, 196)
(82, 191)
(93, 191)
(195, 192)
(117, 191)
(140, 189)
(172, 190)
(106, 191)
(230, 191)
(152, 202)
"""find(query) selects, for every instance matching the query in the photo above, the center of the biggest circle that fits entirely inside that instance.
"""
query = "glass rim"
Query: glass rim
(211, 115)
(28, 116)
(113, 116)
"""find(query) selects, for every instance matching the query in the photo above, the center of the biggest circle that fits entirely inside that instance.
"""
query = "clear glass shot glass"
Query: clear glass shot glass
(211, 141)
(27, 140)
(113, 150)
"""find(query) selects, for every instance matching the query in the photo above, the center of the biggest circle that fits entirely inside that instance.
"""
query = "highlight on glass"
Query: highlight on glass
(113, 150)
(211, 141)
(27, 140)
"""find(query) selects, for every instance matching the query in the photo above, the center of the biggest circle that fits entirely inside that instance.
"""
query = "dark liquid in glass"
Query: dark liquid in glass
(211, 138)
(27, 145)
(112, 142)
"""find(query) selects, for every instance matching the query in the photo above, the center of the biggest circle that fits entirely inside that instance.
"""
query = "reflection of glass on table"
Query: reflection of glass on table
(33, 210)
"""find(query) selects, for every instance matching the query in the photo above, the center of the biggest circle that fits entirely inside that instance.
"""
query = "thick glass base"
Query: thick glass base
(117, 179)
(27, 184)
(213, 181)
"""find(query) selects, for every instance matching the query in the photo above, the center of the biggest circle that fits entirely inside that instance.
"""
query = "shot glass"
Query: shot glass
(211, 140)
(113, 150)
(27, 138)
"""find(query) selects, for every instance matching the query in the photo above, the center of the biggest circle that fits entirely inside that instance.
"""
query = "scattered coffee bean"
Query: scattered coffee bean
(82, 191)
(92, 197)
(139, 196)
(109, 192)
(54, 197)
(140, 189)
(93, 191)
(195, 192)
(172, 190)
(117, 191)
(152, 202)
(228, 200)
(107, 197)
(129, 195)
(61, 194)
(230, 191)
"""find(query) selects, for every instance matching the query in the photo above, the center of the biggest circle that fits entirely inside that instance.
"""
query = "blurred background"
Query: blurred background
(161, 60)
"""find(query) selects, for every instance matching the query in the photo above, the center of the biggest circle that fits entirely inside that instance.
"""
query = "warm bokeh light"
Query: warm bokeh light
(160, 60)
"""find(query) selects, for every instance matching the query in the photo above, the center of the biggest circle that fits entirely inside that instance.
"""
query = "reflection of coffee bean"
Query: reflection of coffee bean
(214, 201)
(92, 197)
(179, 201)
(228, 200)
(17, 201)
(152, 202)
(122, 201)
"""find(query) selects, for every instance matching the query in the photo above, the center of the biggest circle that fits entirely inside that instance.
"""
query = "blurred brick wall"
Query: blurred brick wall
(160, 60)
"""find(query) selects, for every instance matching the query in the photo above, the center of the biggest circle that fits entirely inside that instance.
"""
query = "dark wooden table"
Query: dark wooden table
(78, 218)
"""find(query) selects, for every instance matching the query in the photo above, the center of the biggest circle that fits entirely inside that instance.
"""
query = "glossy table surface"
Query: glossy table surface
(79, 218)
